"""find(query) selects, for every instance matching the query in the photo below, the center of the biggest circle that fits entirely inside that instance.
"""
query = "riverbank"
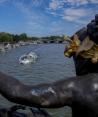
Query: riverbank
(5, 46)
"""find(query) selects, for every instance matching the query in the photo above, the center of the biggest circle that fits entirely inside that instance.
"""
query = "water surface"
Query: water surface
(50, 66)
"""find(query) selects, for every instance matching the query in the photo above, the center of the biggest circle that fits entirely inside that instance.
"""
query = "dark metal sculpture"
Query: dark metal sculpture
(13, 112)
(83, 65)
(80, 93)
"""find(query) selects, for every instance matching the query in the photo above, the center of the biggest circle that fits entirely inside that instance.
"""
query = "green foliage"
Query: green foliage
(5, 37)
(15, 38)
(53, 38)
(23, 37)
(35, 38)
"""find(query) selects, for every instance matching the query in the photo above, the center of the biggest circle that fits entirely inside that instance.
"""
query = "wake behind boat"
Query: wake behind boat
(28, 58)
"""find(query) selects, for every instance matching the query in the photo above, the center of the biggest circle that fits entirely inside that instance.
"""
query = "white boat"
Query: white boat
(28, 58)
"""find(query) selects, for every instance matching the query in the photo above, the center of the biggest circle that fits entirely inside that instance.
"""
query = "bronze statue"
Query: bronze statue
(79, 92)
(83, 47)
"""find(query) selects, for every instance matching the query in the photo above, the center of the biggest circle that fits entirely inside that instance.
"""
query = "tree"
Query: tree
(6, 37)
(16, 38)
(23, 37)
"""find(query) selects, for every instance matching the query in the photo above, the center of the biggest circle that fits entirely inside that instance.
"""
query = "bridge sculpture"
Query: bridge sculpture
(79, 92)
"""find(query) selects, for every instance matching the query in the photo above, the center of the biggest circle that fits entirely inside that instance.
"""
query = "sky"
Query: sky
(46, 17)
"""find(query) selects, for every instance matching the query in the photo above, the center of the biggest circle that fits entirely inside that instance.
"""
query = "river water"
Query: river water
(50, 66)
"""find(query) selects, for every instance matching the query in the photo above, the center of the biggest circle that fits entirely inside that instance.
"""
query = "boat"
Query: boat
(28, 58)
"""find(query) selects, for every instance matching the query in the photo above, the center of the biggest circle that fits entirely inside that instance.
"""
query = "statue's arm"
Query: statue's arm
(56, 94)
